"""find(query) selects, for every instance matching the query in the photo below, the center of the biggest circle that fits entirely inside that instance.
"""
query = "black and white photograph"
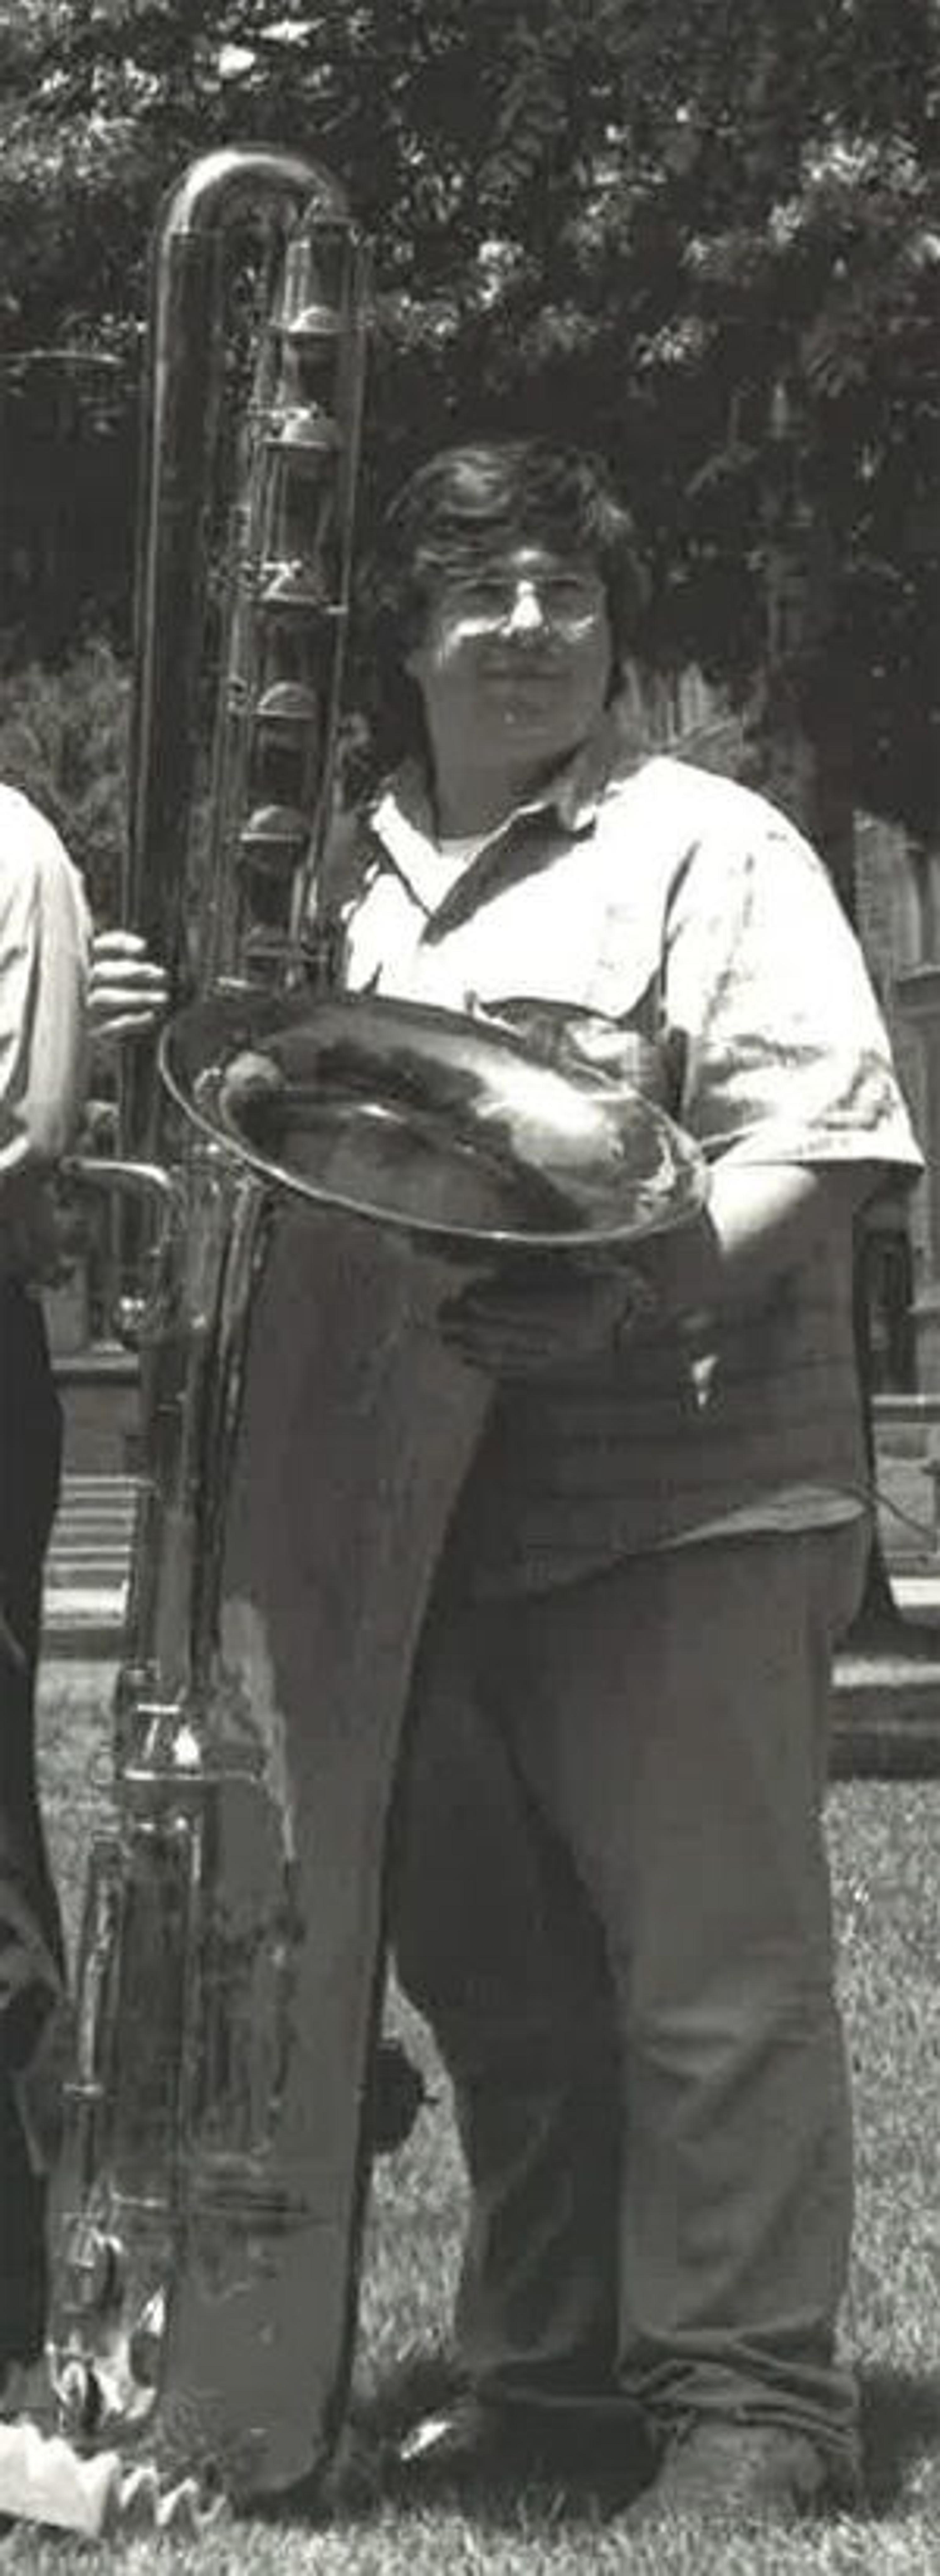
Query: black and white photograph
(470, 1287)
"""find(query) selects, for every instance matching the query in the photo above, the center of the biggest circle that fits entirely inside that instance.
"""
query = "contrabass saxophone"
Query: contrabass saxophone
(318, 1163)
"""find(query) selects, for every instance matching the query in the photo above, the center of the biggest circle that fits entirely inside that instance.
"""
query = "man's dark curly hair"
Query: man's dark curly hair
(467, 504)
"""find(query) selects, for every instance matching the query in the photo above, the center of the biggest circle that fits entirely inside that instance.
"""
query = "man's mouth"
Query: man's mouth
(521, 673)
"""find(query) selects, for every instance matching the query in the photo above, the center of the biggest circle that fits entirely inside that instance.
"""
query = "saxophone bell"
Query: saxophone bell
(452, 1132)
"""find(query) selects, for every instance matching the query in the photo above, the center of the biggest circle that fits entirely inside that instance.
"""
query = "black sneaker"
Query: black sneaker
(576, 2451)
(458, 2443)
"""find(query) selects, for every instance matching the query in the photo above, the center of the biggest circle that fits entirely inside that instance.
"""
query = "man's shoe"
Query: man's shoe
(460, 2443)
(576, 2450)
(739, 2473)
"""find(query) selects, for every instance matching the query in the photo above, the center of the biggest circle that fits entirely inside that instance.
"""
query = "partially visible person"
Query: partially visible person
(44, 956)
(56, 993)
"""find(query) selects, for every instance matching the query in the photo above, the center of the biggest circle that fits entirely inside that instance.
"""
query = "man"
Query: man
(611, 1895)
(54, 993)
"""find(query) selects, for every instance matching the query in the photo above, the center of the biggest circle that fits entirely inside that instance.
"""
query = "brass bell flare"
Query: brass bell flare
(454, 1131)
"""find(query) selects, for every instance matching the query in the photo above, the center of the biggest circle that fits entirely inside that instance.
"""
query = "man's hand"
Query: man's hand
(524, 1321)
(762, 1222)
(127, 992)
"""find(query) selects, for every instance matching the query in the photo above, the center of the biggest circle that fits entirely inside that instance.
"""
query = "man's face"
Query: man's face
(518, 652)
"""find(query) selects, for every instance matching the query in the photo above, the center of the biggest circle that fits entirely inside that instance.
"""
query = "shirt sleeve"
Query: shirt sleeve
(44, 949)
(787, 1058)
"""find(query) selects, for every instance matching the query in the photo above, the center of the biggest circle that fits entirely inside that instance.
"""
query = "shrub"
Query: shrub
(63, 740)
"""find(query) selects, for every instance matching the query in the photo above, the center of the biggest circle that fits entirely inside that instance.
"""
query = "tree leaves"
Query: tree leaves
(637, 219)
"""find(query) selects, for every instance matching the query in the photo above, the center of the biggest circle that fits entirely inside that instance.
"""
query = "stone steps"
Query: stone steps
(87, 1565)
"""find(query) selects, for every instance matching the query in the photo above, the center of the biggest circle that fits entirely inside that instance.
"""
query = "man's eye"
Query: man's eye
(490, 596)
(572, 598)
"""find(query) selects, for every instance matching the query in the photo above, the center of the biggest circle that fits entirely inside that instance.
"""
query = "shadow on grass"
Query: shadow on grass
(580, 2480)
(357, 2482)
(575, 2475)
(900, 2424)
(563, 2469)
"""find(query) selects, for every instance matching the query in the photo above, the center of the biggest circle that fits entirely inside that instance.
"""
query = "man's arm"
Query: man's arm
(762, 1221)
(788, 1086)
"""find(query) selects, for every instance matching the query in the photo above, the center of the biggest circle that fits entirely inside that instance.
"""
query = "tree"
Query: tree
(686, 222)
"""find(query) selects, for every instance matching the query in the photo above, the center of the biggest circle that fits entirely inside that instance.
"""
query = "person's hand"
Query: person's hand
(525, 1321)
(127, 991)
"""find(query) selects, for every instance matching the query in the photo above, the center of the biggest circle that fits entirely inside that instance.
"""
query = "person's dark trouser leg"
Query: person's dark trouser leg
(672, 1722)
(31, 1956)
(663, 1727)
(495, 1946)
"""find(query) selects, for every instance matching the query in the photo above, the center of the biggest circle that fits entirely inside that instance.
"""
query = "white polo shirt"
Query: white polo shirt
(44, 947)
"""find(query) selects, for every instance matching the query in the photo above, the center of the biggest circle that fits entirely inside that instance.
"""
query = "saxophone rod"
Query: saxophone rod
(45, 2477)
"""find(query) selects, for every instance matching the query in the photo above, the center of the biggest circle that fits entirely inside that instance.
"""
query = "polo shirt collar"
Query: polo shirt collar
(402, 820)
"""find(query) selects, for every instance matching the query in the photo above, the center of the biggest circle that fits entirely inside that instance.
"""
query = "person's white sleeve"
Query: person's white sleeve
(44, 948)
(787, 1059)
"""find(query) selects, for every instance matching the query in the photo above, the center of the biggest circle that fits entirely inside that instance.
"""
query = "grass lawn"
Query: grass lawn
(884, 1842)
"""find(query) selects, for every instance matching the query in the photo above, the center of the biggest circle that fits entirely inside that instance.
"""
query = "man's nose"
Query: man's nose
(526, 615)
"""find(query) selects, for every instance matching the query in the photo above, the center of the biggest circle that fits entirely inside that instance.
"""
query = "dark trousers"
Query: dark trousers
(31, 1955)
(612, 1904)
